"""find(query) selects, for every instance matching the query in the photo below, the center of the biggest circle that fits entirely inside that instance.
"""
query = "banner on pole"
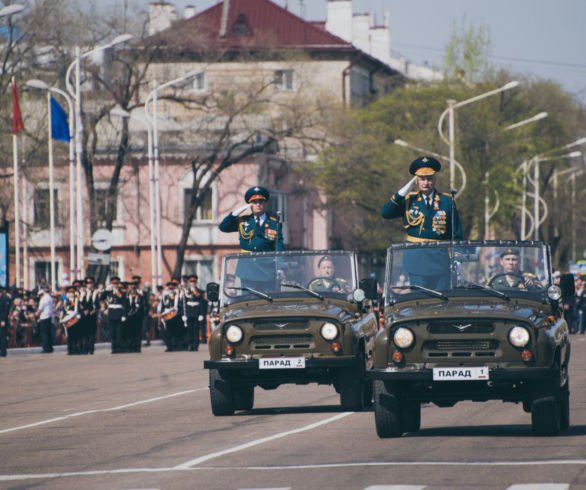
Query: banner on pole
(59, 124)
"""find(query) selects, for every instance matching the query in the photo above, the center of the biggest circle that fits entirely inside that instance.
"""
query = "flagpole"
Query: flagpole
(25, 235)
(16, 209)
(51, 197)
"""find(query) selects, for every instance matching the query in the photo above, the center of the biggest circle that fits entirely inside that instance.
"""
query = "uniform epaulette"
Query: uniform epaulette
(445, 194)
(273, 218)
(412, 193)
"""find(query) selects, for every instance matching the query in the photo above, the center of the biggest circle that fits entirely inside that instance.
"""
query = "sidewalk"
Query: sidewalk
(15, 351)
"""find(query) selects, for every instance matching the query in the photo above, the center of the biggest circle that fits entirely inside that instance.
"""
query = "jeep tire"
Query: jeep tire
(243, 397)
(387, 411)
(221, 394)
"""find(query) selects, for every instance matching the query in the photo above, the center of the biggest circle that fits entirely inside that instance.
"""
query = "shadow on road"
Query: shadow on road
(491, 431)
(294, 410)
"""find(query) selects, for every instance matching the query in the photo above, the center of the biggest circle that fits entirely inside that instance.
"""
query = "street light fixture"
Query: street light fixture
(11, 9)
(123, 113)
(452, 104)
(75, 92)
(39, 84)
(154, 120)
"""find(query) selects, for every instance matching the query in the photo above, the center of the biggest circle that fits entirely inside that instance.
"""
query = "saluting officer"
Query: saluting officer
(194, 312)
(428, 216)
(426, 213)
(259, 231)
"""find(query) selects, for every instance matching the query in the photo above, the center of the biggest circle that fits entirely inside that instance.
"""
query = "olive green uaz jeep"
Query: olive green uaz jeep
(290, 317)
(471, 321)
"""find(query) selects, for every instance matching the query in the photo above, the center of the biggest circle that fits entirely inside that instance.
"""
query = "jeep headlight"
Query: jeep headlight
(519, 336)
(554, 292)
(329, 331)
(234, 334)
(403, 338)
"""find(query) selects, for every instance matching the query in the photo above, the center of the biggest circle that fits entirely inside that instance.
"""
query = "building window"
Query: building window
(41, 207)
(199, 81)
(104, 204)
(203, 268)
(43, 271)
(205, 210)
(283, 79)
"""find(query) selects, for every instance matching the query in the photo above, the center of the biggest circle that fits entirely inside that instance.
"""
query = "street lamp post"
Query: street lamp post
(154, 120)
(39, 84)
(123, 113)
(75, 92)
(452, 105)
(536, 160)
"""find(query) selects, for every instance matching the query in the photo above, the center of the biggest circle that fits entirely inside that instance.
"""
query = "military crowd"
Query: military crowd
(126, 314)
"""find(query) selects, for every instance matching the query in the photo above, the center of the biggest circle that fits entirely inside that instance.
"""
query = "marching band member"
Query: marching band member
(69, 312)
(194, 312)
(169, 309)
(135, 315)
(117, 305)
(89, 306)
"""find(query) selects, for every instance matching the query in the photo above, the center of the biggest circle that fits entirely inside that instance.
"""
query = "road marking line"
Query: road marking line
(87, 412)
(250, 444)
(36, 476)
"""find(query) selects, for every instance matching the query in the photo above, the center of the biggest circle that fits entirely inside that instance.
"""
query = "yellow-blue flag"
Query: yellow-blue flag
(59, 125)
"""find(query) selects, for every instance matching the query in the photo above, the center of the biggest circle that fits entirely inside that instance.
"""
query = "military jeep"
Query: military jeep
(282, 320)
(471, 321)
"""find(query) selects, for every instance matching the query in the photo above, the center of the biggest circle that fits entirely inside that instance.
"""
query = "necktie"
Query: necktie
(257, 222)
(428, 202)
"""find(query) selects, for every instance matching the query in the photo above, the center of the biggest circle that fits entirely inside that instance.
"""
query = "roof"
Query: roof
(249, 24)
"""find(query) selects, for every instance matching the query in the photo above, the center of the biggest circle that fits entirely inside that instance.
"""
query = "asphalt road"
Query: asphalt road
(138, 421)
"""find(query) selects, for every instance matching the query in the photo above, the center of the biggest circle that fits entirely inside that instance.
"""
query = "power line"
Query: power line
(504, 58)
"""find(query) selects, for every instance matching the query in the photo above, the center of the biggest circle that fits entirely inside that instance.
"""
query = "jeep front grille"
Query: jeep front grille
(278, 342)
(280, 324)
(461, 327)
(461, 348)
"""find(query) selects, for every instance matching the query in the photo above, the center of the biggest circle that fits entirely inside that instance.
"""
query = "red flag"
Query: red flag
(16, 115)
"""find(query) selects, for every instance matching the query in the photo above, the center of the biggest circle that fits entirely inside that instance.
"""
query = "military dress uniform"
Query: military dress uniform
(174, 333)
(194, 309)
(136, 301)
(256, 236)
(425, 222)
(117, 307)
(70, 306)
(514, 280)
(89, 304)
(336, 285)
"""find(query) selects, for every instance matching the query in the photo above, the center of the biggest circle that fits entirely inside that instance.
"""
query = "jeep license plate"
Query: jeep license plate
(460, 374)
(281, 363)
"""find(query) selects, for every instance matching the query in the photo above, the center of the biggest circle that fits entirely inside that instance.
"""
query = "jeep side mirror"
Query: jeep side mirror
(567, 285)
(368, 285)
(213, 291)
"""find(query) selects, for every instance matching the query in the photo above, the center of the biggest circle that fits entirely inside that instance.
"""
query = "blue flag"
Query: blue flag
(59, 125)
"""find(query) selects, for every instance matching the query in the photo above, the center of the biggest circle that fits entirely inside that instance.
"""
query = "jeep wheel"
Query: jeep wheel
(545, 416)
(244, 398)
(351, 390)
(387, 411)
(565, 406)
(221, 394)
(411, 416)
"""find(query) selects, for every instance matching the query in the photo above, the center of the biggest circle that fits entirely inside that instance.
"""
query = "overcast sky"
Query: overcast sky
(546, 38)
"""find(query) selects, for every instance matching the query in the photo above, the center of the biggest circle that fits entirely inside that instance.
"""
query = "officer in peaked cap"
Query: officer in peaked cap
(258, 230)
(426, 213)
(428, 216)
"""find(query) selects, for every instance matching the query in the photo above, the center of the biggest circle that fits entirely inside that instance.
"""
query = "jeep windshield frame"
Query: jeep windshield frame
(289, 274)
(468, 269)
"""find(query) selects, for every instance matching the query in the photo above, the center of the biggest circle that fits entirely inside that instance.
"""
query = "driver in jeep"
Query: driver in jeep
(512, 277)
(325, 281)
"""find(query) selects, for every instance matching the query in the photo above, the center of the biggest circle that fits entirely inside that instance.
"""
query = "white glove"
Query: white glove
(404, 190)
(123, 318)
(200, 318)
(239, 211)
(184, 318)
